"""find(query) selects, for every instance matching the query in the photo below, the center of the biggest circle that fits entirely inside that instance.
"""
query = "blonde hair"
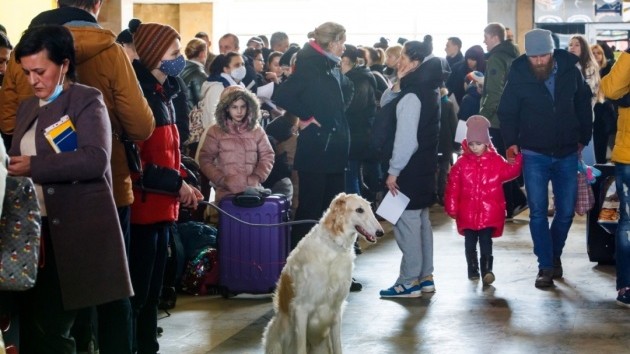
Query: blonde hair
(327, 33)
(195, 47)
(604, 62)
(394, 50)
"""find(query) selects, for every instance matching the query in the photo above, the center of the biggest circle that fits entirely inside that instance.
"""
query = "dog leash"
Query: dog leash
(286, 223)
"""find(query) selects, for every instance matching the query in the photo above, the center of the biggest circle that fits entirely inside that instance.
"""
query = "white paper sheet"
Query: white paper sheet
(265, 92)
(392, 206)
(460, 133)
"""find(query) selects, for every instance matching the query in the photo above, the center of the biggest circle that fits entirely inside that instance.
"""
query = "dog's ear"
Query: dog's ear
(336, 215)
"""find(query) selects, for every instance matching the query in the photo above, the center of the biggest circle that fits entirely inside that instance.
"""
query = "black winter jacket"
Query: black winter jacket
(313, 90)
(194, 76)
(534, 120)
(360, 113)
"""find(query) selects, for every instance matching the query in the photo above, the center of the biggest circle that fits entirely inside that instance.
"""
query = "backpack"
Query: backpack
(384, 131)
(201, 276)
(195, 119)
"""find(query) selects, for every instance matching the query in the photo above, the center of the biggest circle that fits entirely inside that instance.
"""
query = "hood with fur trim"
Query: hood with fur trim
(253, 112)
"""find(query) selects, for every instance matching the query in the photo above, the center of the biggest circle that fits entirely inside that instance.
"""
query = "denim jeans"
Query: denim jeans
(538, 170)
(363, 172)
(622, 237)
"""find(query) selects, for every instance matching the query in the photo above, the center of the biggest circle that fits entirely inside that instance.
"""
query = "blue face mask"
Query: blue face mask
(58, 89)
(173, 67)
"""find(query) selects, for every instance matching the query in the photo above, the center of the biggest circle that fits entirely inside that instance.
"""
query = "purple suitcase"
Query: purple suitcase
(252, 257)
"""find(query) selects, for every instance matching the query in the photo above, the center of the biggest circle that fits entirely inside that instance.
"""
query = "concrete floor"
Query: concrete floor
(579, 315)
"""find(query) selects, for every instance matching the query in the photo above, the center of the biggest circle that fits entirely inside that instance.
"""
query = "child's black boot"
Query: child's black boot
(473, 265)
(486, 270)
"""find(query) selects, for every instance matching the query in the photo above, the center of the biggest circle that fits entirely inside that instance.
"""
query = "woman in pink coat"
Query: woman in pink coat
(474, 195)
(236, 153)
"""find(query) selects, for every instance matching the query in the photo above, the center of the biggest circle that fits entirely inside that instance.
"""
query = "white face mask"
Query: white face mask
(238, 74)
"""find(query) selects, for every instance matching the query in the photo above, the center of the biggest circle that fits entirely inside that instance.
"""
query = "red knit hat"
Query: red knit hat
(152, 40)
(477, 130)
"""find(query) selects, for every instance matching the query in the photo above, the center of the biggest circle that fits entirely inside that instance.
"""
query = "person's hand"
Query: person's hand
(20, 166)
(405, 69)
(189, 196)
(306, 123)
(391, 184)
(271, 76)
(511, 153)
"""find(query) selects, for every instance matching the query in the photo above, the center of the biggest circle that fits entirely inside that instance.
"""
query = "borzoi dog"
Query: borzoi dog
(315, 281)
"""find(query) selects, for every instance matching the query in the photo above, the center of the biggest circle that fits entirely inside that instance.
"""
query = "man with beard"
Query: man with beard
(545, 114)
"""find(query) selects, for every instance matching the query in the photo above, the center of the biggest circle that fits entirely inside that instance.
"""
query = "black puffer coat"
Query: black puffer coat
(532, 119)
(360, 113)
(318, 89)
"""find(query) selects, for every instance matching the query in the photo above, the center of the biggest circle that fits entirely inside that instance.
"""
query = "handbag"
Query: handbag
(132, 153)
(20, 232)
(161, 180)
(585, 197)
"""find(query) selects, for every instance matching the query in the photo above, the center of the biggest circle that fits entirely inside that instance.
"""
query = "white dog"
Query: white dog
(315, 281)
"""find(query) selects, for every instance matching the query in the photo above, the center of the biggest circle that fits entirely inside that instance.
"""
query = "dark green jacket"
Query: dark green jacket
(499, 60)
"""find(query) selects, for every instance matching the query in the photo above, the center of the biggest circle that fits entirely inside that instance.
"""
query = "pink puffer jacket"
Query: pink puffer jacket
(236, 156)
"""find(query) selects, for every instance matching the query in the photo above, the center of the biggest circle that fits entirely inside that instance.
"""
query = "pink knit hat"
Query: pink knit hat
(477, 130)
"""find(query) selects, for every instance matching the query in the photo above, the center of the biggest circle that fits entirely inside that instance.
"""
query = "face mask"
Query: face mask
(238, 74)
(173, 67)
(58, 88)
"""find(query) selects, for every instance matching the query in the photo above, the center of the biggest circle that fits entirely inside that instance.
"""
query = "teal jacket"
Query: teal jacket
(499, 60)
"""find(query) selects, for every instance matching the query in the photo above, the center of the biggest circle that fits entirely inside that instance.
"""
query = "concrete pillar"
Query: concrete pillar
(524, 21)
(115, 14)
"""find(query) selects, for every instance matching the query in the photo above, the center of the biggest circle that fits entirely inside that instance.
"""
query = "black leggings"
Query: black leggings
(484, 236)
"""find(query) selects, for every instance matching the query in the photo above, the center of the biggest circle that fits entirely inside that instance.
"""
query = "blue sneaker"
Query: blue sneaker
(427, 285)
(400, 290)
(623, 299)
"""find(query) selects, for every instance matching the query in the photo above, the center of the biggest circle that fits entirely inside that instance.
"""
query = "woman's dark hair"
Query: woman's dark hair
(56, 40)
(476, 53)
(4, 41)
(272, 56)
(352, 53)
(417, 50)
(220, 62)
(252, 52)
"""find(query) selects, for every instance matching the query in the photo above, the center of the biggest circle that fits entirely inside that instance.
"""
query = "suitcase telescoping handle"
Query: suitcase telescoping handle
(286, 223)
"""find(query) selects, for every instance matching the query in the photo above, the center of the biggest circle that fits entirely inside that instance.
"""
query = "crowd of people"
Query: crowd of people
(281, 115)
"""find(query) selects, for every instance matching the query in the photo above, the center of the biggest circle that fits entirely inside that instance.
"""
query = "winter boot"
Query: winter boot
(473, 265)
(486, 270)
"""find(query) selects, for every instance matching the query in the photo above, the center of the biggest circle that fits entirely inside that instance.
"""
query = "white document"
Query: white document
(392, 206)
(265, 92)
(460, 133)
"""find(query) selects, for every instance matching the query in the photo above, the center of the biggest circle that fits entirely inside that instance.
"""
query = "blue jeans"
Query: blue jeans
(538, 170)
(363, 172)
(622, 237)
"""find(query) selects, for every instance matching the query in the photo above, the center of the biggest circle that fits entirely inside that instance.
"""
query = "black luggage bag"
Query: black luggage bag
(600, 242)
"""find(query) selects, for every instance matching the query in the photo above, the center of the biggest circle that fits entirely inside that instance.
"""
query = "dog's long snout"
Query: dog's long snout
(380, 233)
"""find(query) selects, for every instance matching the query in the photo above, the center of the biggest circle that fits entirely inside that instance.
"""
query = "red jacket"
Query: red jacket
(474, 191)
